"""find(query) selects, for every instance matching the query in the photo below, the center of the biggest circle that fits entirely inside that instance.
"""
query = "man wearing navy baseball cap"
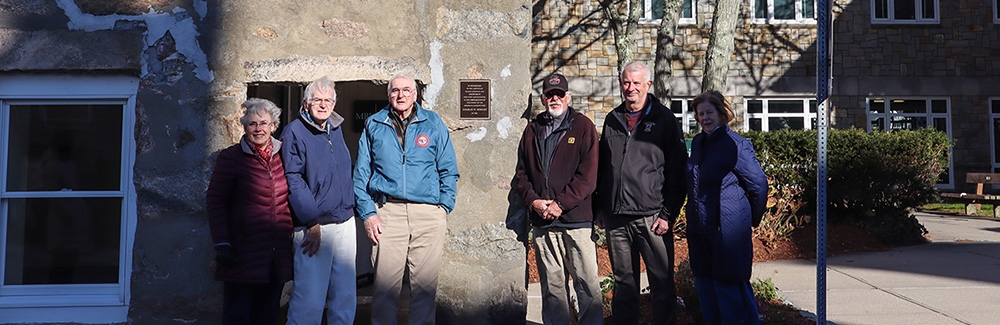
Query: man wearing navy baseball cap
(556, 174)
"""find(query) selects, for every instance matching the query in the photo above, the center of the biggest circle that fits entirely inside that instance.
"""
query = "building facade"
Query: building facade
(112, 114)
(897, 64)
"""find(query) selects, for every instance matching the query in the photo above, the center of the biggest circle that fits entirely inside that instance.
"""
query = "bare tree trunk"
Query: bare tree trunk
(720, 45)
(623, 27)
(665, 49)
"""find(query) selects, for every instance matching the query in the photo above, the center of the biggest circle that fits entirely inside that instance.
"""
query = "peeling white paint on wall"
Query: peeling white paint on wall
(476, 135)
(505, 72)
(502, 127)
(184, 31)
(437, 75)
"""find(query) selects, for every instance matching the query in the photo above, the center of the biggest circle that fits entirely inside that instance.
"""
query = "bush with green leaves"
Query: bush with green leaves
(873, 178)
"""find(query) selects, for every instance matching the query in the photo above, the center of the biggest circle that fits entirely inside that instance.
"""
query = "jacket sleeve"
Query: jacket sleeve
(584, 180)
(363, 201)
(300, 197)
(447, 168)
(752, 179)
(675, 184)
(521, 182)
(217, 197)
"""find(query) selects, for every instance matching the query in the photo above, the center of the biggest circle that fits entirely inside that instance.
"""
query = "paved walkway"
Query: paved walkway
(953, 280)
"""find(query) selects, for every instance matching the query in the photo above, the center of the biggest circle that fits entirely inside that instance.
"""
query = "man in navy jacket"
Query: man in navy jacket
(318, 168)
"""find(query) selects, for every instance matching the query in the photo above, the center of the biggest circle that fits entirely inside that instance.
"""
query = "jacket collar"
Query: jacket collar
(382, 116)
(247, 148)
(333, 122)
(571, 115)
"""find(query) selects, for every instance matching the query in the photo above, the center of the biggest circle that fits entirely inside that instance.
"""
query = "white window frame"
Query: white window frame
(799, 19)
(808, 115)
(76, 303)
(886, 114)
(686, 117)
(918, 12)
(647, 14)
(994, 115)
(996, 11)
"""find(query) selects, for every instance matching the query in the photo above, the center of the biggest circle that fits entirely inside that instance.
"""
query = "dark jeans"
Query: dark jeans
(251, 303)
(630, 237)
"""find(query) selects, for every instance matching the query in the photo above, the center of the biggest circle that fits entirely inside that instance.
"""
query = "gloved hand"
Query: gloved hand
(224, 255)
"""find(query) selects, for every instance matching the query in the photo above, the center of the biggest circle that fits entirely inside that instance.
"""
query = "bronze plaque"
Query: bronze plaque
(474, 99)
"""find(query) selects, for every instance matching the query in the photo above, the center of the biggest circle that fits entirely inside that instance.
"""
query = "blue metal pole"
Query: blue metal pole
(824, 23)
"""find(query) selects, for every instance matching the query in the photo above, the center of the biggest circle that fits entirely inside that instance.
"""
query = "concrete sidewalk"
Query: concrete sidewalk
(953, 280)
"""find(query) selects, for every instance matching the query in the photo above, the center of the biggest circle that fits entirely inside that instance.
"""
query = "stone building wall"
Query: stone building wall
(956, 58)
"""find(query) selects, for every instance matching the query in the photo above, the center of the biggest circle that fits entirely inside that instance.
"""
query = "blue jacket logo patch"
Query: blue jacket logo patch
(423, 141)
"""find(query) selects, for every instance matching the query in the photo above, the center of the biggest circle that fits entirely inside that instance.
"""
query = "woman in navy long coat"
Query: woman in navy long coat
(727, 196)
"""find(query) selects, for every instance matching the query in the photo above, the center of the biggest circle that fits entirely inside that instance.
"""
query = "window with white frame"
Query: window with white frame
(652, 11)
(774, 114)
(784, 11)
(995, 133)
(996, 11)
(890, 114)
(66, 156)
(905, 11)
(685, 114)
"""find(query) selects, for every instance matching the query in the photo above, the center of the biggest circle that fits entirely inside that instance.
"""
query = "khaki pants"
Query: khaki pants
(413, 236)
(558, 252)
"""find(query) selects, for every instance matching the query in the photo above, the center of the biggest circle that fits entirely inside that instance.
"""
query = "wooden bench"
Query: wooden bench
(973, 201)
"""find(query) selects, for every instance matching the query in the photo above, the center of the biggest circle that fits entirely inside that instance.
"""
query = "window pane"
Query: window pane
(995, 106)
(755, 124)
(929, 10)
(785, 106)
(686, 12)
(755, 106)
(939, 106)
(760, 9)
(785, 123)
(876, 105)
(808, 9)
(903, 106)
(908, 122)
(996, 140)
(63, 241)
(905, 10)
(941, 124)
(677, 107)
(692, 125)
(877, 124)
(64, 147)
(657, 9)
(881, 8)
(812, 106)
(784, 9)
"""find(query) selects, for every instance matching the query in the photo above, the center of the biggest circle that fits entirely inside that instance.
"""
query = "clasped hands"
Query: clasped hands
(548, 209)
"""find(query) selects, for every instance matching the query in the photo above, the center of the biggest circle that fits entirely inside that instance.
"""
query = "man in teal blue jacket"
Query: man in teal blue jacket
(404, 185)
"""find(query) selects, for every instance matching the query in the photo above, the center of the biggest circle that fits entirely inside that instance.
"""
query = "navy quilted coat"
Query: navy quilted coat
(247, 204)
(727, 194)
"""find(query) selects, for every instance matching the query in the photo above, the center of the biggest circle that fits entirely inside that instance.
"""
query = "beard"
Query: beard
(555, 113)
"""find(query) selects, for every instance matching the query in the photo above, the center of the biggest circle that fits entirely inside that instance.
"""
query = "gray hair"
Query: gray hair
(263, 107)
(388, 87)
(636, 66)
(320, 84)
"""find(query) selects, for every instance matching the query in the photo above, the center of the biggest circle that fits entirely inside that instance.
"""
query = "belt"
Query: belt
(391, 199)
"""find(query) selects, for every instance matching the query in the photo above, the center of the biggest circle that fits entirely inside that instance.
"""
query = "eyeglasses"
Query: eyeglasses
(554, 94)
(254, 125)
(404, 91)
(317, 101)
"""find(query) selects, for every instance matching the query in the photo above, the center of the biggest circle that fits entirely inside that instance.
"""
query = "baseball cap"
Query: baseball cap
(555, 81)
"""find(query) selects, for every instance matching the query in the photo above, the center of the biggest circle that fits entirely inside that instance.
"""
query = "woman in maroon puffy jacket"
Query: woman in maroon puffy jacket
(247, 204)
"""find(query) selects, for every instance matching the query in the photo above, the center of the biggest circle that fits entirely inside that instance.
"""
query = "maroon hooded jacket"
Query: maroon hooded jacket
(572, 171)
(247, 204)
